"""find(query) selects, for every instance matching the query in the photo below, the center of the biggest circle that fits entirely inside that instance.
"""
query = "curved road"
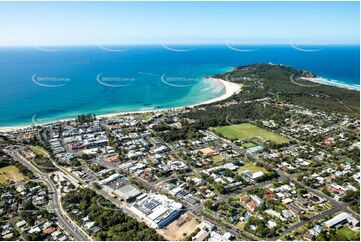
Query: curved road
(71, 227)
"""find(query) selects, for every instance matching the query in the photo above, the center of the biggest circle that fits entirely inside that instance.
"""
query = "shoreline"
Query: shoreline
(334, 83)
(231, 88)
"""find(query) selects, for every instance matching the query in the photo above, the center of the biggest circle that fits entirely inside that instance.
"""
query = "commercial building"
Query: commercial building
(340, 220)
(157, 210)
(118, 185)
(127, 192)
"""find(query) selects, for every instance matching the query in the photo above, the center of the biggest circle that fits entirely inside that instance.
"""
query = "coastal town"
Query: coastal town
(163, 175)
(180, 120)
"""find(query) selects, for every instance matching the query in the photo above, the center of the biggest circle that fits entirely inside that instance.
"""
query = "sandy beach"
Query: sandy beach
(230, 89)
(324, 81)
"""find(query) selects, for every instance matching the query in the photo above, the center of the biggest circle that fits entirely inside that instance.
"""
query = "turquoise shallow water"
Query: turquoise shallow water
(48, 84)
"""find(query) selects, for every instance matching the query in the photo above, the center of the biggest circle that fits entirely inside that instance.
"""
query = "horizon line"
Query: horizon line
(182, 44)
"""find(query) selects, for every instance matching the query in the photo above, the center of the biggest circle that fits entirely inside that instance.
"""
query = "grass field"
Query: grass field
(251, 167)
(345, 233)
(246, 131)
(217, 158)
(10, 173)
(248, 145)
(39, 151)
(147, 115)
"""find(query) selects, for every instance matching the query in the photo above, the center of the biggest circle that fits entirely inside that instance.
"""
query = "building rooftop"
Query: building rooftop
(341, 218)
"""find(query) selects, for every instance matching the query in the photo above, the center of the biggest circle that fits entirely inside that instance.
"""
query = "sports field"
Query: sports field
(251, 167)
(10, 173)
(247, 131)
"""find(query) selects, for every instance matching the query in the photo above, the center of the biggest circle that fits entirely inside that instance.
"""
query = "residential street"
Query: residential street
(55, 200)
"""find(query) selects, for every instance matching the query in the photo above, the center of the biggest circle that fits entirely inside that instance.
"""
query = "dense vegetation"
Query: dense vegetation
(342, 234)
(114, 223)
(273, 85)
(218, 116)
(239, 113)
(262, 81)
(173, 134)
(85, 118)
(6, 160)
(353, 197)
(266, 80)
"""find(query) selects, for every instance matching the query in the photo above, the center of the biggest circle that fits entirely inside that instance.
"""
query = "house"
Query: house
(271, 224)
(8, 236)
(94, 229)
(63, 238)
(49, 230)
(287, 214)
(205, 228)
(335, 188)
(20, 188)
(269, 195)
(208, 152)
(286, 201)
(35, 229)
(273, 213)
(295, 209)
(254, 149)
(20, 224)
(308, 236)
(46, 225)
(89, 225)
(230, 166)
(111, 159)
(201, 235)
(214, 236)
(251, 201)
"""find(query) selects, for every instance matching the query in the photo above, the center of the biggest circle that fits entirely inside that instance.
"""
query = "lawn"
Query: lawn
(147, 116)
(217, 158)
(345, 233)
(10, 173)
(248, 145)
(39, 151)
(251, 167)
(247, 131)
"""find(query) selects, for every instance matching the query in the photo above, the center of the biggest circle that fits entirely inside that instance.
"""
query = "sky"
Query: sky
(102, 23)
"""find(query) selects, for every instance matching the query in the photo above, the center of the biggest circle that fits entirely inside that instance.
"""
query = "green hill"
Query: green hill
(268, 80)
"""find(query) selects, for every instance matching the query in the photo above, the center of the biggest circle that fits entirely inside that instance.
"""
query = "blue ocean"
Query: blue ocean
(46, 84)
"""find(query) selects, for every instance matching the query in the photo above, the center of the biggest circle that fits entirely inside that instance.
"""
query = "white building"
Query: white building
(157, 210)
(252, 175)
(340, 220)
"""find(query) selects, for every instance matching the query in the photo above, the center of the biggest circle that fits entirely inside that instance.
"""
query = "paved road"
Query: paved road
(314, 218)
(55, 202)
(337, 205)
(340, 205)
(284, 176)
